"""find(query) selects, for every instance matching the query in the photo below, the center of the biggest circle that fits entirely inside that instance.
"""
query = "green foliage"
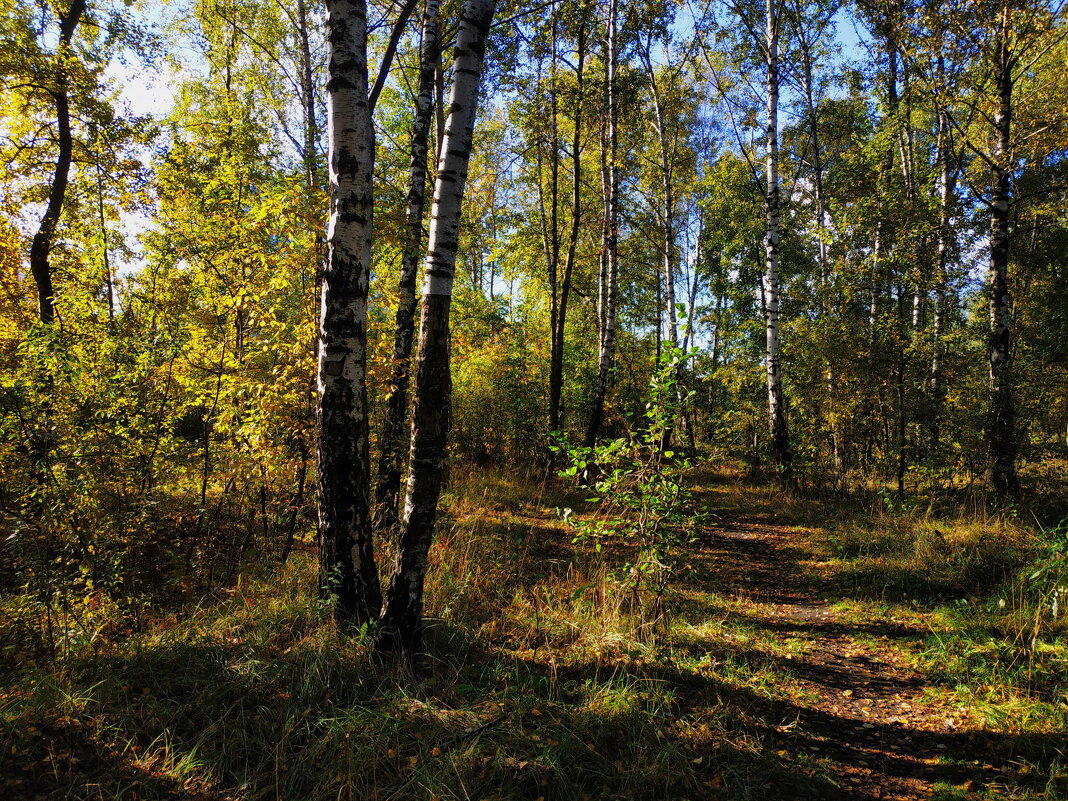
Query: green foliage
(640, 502)
(1047, 586)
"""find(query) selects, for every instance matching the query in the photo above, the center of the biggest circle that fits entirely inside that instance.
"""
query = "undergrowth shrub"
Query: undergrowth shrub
(636, 485)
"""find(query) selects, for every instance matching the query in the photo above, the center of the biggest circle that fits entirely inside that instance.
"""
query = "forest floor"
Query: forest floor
(813, 650)
(871, 700)
(859, 707)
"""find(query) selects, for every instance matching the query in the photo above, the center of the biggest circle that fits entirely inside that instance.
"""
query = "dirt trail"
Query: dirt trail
(863, 713)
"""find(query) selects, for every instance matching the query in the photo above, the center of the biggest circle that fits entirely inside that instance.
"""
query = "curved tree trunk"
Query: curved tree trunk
(346, 559)
(391, 461)
(433, 382)
(41, 246)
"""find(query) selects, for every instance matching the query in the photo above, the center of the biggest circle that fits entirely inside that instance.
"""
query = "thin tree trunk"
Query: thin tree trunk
(391, 460)
(667, 186)
(823, 235)
(878, 270)
(41, 246)
(401, 615)
(902, 417)
(780, 440)
(307, 90)
(439, 106)
(714, 359)
(610, 238)
(312, 185)
(1002, 433)
(109, 280)
(945, 234)
(346, 558)
(553, 243)
(688, 414)
(556, 355)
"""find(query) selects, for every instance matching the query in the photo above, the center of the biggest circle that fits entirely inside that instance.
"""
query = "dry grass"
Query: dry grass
(535, 684)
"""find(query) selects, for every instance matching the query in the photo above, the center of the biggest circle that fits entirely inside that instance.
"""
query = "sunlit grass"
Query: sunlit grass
(535, 682)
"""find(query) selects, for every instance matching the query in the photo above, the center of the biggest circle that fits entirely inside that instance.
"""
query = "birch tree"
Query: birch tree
(608, 265)
(765, 37)
(812, 28)
(1006, 43)
(670, 121)
(403, 607)
(947, 177)
(346, 557)
(1002, 426)
(780, 437)
(391, 459)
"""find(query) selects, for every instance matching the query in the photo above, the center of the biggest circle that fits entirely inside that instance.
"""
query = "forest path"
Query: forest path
(860, 715)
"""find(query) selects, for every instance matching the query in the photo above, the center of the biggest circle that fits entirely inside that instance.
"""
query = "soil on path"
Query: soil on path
(865, 716)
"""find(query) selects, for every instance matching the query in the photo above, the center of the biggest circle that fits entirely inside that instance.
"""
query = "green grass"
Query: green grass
(535, 683)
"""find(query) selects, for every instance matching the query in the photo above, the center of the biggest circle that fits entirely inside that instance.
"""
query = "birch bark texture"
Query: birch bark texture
(780, 440)
(1002, 425)
(401, 615)
(391, 459)
(347, 572)
(610, 237)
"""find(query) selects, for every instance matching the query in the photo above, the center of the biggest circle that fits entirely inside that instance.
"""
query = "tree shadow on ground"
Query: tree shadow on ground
(210, 719)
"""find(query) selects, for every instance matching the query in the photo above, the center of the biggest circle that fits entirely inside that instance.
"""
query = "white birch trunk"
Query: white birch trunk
(945, 243)
(391, 461)
(780, 443)
(610, 240)
(402, 612)
(1002, 426)
(346, 559)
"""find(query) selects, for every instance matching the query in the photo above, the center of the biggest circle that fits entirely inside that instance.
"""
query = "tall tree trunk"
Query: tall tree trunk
(402, 612)
(667, 222)
(808, 87)
(391, 461)
(780, 439)
(945, 234)
(1002, 432)
(610, 238)
(830, 377)
(878, 271)
(312, 185)
(41, 246)
(553, 241)
(556, 355)
(908, 323)
(307, 90)
(346, 557)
